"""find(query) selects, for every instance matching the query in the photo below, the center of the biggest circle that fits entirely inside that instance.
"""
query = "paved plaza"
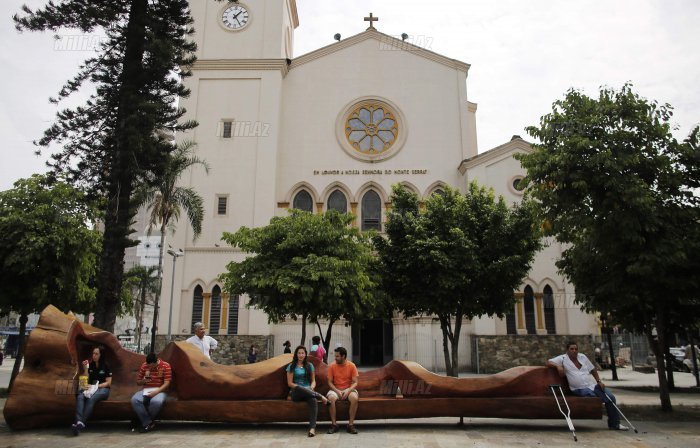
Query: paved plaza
(434, 433)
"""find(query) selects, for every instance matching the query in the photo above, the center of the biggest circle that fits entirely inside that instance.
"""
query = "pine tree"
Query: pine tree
(119, 138)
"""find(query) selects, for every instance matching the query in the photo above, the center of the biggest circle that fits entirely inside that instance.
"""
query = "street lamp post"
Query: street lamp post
(174, 254)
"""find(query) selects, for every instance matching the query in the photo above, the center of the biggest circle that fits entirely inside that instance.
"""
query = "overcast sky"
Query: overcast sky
(524, 54)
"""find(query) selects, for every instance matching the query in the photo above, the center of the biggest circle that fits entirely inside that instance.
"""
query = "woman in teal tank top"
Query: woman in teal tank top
(301, 379)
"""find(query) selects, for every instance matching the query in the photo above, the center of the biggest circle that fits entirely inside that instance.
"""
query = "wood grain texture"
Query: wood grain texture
(44, 392)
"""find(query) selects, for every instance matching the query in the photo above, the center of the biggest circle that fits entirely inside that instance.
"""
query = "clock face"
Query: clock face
(235, 17)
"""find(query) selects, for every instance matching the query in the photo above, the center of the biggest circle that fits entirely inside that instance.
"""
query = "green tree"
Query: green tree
(461, 258)
(48, 255)
(110, 143)
(616, 187)
(166, 201)
(142, 284)
(308, 266)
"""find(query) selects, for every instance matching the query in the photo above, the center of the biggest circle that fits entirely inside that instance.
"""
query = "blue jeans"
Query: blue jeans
(147, 415)
(84, 406)
(613, 415)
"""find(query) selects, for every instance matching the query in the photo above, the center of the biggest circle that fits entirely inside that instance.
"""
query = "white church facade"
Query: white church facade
(333, 129)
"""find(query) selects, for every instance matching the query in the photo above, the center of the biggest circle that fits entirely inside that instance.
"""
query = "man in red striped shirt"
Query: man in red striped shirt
(155, 376)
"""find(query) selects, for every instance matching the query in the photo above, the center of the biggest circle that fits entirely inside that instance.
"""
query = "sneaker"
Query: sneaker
(74, 428)
(333, 429)
(351, 429)
(621, 428)
(148, 428)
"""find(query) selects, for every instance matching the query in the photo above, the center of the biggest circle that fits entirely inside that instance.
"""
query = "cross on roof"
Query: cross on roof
(371, 19)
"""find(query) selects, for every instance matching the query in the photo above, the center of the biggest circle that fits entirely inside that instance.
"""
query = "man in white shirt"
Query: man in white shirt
(584, 381)
(202, 341)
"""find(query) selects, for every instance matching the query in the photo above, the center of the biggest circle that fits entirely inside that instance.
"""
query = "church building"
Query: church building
(334, 129)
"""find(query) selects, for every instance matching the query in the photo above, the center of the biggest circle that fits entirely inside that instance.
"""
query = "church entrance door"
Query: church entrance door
(373, 342)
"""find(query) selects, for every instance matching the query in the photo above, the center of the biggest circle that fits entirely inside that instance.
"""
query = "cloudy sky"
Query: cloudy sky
(524, 54)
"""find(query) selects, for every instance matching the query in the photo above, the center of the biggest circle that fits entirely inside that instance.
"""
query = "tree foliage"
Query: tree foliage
(462, 257)
(309, 266)
(120, 136)
(48, 255)
(166, 201)
(616, 187)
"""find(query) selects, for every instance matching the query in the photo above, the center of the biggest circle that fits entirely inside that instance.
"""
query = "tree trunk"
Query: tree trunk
(20, 349)
(455, 346)
(613, 363)
(669, 366)
(327, 341)
(695, 359)
(657, 347)
(120, 180)
(445, 347)
(156, 305)
(303, 329)
(139, 321)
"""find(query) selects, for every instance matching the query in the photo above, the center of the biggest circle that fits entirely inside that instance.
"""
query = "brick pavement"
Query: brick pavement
(433, 433)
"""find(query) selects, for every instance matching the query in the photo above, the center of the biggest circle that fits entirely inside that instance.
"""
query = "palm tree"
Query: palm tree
(141, 282)
(166, 201)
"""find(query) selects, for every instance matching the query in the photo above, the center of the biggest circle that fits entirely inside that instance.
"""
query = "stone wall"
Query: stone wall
(232, 349)
(493, 354)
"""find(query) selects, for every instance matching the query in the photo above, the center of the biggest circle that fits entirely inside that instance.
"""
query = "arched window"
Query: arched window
(549, 322)
(529, 304)
(197, 303)
(439, 191)
(233, 315)
(303, 201)
(371, 211)
(337, 201)
(510, 323)
(215, 310)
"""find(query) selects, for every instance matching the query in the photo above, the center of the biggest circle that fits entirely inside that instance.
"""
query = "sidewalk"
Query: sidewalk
(432, 433)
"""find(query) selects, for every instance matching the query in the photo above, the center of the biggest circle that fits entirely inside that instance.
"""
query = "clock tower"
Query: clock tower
(244, 29)
(236, 91)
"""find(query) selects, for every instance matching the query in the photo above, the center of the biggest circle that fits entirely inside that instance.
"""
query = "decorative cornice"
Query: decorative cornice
(384, 39)
(295, 14)
(242, 64)
(516, 144)
(225, 250)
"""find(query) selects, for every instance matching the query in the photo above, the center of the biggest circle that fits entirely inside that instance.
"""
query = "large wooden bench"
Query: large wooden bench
(202, 390)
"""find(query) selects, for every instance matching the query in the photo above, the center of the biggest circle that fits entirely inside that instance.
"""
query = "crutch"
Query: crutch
(620, 412)
(566, 415)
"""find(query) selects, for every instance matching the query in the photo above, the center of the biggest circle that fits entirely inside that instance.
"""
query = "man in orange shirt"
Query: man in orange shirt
(342, 379)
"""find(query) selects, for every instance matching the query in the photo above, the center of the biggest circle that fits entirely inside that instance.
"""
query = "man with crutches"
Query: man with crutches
(584, 381)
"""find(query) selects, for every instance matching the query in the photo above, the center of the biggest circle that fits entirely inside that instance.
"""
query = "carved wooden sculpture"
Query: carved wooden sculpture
(43, 393)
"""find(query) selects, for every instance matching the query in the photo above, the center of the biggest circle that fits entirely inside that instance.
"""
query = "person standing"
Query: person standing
(155, 376)
(99, 382)
(287, 347)
(203, 341)
(252, 354)
(342, 380)
(584, 381)
(317, 349)
(301, 379)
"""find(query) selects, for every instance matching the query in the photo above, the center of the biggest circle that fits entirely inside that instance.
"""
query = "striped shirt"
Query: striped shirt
(160, 373)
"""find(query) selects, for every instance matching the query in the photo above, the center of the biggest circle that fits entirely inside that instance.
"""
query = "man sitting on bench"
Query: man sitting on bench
(584, 381)
(342, 379)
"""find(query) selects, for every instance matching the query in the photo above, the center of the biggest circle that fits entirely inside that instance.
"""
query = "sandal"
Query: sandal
(351, 429)
(333, 429)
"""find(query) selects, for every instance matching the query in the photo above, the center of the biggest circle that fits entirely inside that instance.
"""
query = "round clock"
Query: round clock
(235, 17)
